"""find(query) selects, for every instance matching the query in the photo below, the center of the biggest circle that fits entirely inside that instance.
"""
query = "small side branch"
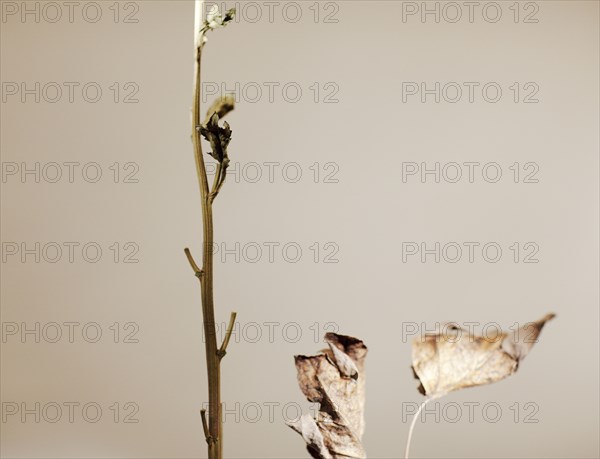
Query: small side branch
(218, 182)
(197, 271)
(223, 349)
(205, 427)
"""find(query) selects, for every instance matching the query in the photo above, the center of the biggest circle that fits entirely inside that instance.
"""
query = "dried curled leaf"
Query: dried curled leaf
(336, 380)
(214, 18)
(455, 360)
(221, 106)
(219, 138)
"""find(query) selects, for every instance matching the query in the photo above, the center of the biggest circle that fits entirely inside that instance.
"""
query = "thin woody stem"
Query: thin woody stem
(206, 286)
(213, 423)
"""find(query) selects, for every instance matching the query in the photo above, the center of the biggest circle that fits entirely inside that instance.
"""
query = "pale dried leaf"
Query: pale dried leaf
(307, 427)
(453, 361)
(343, 362)
(336, 380)
(520, 343)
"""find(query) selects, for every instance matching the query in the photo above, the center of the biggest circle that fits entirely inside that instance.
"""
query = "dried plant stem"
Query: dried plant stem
(213, 426)
(412, 426)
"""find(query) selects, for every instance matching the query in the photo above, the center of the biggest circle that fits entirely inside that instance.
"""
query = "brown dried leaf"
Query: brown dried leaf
(455, 360)
(336, 380)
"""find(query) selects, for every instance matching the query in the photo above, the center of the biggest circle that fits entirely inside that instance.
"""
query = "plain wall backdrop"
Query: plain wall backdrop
(329, 117)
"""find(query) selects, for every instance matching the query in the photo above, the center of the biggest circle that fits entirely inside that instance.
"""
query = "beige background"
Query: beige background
(369, 133)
